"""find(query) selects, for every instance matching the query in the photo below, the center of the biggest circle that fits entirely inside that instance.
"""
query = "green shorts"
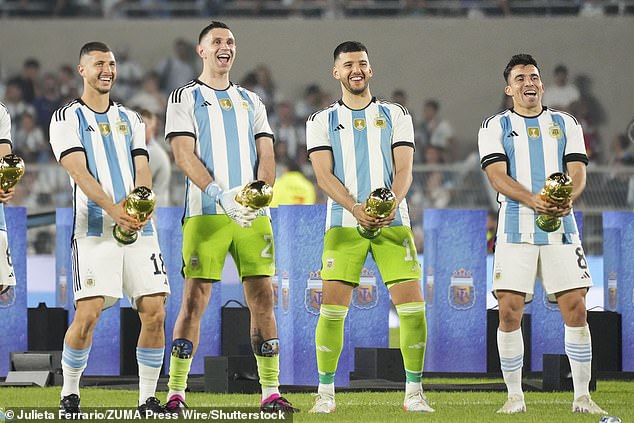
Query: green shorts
(208, 238)
(393, 251)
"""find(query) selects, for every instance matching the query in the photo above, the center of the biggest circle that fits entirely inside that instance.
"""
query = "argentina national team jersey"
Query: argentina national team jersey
(225, 125)
(110, 141)
(5, 138)
(361, 142)
(533, 148)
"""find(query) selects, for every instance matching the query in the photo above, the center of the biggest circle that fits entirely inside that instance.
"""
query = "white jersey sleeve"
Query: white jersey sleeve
(403, 128)
(5, 125)
(575, 145)
(317, 132)
(490, 143)
(64, 134)
(261, 122)
(138, 134)
(179, 117)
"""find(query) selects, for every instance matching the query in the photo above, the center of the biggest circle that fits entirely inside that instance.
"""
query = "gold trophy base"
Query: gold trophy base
(124, 237)
(548, 223)
(368, 233)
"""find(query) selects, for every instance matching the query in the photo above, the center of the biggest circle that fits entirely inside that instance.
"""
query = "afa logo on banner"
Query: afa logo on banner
(429, 286)
(366, 295)
(313, 293)
(7, 299)
(462, 293)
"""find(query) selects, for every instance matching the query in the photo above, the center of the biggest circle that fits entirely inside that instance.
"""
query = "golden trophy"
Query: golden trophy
(380, 203)
(11, 170)
(255, 194)
(140, 204)
(557, 190)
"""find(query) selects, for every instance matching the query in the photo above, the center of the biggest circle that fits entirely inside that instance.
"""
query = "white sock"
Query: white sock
(578, 345)
(73, 364)
(326, 388)
(511, 348)
(412, 387)
(268, 391)
(171, 393)
(149, 361)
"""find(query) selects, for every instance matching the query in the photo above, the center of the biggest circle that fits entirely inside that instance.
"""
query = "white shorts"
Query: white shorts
(561, 267)
(104, 268)
(7, 275)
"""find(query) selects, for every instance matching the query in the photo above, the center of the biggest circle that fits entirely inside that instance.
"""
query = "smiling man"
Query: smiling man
(221, 139)
(519, 148)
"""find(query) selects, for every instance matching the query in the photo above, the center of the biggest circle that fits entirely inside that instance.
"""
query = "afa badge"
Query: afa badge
(359, 124)
(555, 131)
(313, 293)
(123, 128)
(533, 132)
(245, 105)
(380, 121)
(104, 128)
(366, 295)
(461, 290)
(226, 104)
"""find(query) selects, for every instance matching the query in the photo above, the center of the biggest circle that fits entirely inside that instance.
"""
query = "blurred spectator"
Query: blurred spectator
(78, 8)
(309, 103)
(293, 188)
(265, 86)
(176, 69)
(68, 83)
(561, 94)
(282, 160)
(399, 96)
(16, 105)
(150, 96)
(160, 164)
(436, 131)
(28, 79)
(591, 9)
(129, 74)
(288, 130)
(492, 227)
(29, 141)
(47, 102)
(596, 112)
(591, 135)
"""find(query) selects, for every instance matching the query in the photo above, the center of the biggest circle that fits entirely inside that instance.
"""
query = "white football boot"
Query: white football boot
(514, 404)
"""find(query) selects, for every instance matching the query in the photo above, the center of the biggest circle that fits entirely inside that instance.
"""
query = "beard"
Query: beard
(355, 91)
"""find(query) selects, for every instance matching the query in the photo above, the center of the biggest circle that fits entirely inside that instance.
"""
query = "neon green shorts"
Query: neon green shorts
(208, 238)
(393, 251)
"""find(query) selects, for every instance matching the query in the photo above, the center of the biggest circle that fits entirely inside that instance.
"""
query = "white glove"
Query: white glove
(240, 214)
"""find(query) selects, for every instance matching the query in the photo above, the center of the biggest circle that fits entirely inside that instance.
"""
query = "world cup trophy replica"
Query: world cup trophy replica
(380, 203)
(140, 204)
(255, 194)
(557, 190)
(11, 170)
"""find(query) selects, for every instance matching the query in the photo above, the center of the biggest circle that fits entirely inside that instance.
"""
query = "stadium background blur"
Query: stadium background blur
(436, 55)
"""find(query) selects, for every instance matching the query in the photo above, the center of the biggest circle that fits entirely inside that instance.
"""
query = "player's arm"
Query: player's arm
(143, 173)
(403, 161)
(266, 159)
(75, 164)
(323, 166)
(5, 148)
(188, 162)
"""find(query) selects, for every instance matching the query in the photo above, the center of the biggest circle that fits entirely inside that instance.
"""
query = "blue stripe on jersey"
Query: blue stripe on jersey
(336, 213)
(3, 221)
(568, 221)
(112, 157)
(232, 139)
(361, 155)
(512, 218)
(128, 137)
(206, 153)
(253, 154)
(95, 213)
(538, 167)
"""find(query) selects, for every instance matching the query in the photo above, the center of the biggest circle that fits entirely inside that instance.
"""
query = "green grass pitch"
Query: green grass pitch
(459, 407)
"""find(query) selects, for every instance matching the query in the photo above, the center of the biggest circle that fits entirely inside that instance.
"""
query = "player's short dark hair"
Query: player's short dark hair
(93, 46)
(519, 59)
(212, 25)
(349, 47)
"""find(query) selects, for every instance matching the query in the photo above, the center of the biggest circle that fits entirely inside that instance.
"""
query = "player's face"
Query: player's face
(353, 71)
(99, 70)
(525, 87)
(218, 50)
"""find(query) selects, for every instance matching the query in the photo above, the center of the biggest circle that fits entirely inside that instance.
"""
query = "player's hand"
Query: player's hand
(121, 218)
(387, 221)
(240, 214)
(6, 196)
(542, 206)
(364, 219)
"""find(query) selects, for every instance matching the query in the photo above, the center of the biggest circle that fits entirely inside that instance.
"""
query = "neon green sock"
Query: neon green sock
(413, 338)
(329, 340)
(179, 369)
(268, 370)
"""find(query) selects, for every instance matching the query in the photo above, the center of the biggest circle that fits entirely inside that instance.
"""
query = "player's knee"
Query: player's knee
(510, 317)
(261, 302)
(182, 348)
(153, 320)
(269, 348)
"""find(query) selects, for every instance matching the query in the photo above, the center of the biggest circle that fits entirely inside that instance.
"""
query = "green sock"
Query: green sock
(413, 338)
(329, 340)
(268, 370)
(179, 369)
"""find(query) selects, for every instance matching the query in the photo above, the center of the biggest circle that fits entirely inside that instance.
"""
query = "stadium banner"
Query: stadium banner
(547, 325)
(455, 258)
(618, 276)
(168, 221)
(13, 303)
(299, 240)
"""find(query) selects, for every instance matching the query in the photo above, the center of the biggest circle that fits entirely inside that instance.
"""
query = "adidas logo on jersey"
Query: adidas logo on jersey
(585, 275)
(90, 129)
(339, 127)
(513, 134)
(205, 104)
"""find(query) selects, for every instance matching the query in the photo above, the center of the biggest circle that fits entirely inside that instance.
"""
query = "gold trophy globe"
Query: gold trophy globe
(255, 194)
(139, 204)
(11, 170)
(557, 190)
(380, 203)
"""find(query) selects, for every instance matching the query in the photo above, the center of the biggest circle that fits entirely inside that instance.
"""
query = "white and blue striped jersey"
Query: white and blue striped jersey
(224, 125)
(533, 148)
(5, 138)
(361, 142)
(110, 141)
